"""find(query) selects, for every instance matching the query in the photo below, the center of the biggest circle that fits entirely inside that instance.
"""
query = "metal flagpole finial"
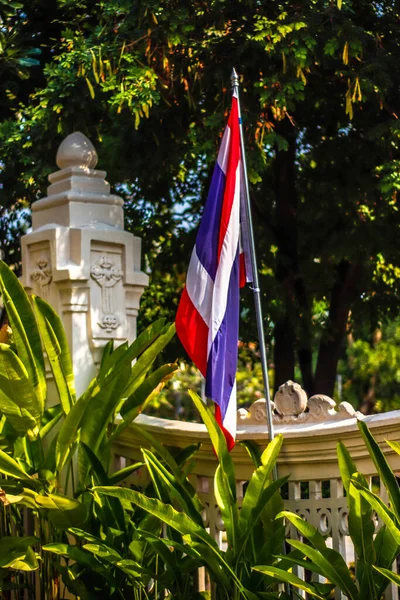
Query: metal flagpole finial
(234, 79)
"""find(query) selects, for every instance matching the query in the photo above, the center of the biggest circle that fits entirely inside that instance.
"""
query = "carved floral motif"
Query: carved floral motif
(107, 274)
(290, 399)
(43, 275)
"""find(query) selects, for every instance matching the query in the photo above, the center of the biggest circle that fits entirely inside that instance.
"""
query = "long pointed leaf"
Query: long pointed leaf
(18, 399)
(333, 566)
(361, 525)
(258, 482)
(383, 468)
(174, 519)
(224, 480)
(70, 426)
(56, 346)
(10, 467)
(290, 578)
(387, 516)
(146, 359)
(25, 330)
(389, 574)
(175, 488)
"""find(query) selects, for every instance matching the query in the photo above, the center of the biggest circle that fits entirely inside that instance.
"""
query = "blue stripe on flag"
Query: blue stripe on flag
(222, 358)
(208, 234)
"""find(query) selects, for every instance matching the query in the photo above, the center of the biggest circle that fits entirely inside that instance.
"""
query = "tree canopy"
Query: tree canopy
(149, 83)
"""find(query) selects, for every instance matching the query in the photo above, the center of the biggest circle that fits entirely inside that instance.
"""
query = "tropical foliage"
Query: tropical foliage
(253, 534)
(50, 450)
(375, 554)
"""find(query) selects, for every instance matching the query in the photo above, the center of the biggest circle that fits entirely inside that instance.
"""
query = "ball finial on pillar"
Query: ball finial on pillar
(76, 151)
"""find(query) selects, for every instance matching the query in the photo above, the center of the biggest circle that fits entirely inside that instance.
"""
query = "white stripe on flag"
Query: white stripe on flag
(223, 154)
(227, 258)
(230, 419)
(200, 287)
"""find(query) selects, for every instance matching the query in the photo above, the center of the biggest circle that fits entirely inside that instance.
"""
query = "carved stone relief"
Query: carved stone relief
(291, 406)
(42, 275)
(107, 274)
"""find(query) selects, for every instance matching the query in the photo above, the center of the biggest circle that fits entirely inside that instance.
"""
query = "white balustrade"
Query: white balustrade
(315, 490)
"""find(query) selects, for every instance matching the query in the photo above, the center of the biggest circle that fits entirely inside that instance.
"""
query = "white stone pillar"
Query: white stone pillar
(79, 258)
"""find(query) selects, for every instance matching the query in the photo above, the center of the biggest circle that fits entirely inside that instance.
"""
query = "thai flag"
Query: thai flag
(207, 321)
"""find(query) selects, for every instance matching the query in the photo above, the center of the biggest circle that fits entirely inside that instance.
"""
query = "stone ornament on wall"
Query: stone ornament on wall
(292, 406)
(107, 274)
(43, 275)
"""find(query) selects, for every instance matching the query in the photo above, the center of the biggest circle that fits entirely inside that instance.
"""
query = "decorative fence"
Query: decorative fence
(311, 432)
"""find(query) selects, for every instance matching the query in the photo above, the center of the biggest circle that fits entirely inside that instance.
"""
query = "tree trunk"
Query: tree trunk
(305, 363)
(284, 355)
(343, 294)
(294, 298)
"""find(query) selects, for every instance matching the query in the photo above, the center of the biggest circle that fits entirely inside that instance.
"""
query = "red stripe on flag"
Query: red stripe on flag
(234, 156)
(242, 271)
(230, 442)
(192, 331)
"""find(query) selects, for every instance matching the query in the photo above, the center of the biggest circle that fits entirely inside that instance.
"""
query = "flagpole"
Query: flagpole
(256, 287)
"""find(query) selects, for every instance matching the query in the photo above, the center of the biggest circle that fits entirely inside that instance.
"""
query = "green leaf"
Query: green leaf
(251, 507)
(386, 550)
(227, 506)
(253, 452)
(137, 348)
(70, 426)
(178, 521)
(257, 505)
(332, 565)
(185, 454)
(146, 359)
(56, 346)
(18, 400)
(361, 524)
(305, 528)
(110, 357)
(56, 414)
(143, 394)
(218, 441)
(149, 386)
(98, 417)
(25, 331)
(394, 577)
(28, 562)
(10, 467)
(224, 479)
(394, 445)
(103, 552)
(83, 558)
(122, 474)
(290, 578)
(100, 475)
(16, 553)
(159, 448)
(176, 489)
(387, 516)
(63, 512)
(383, 468)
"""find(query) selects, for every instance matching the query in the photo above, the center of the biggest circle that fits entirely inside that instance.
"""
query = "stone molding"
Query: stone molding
(291, 405)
